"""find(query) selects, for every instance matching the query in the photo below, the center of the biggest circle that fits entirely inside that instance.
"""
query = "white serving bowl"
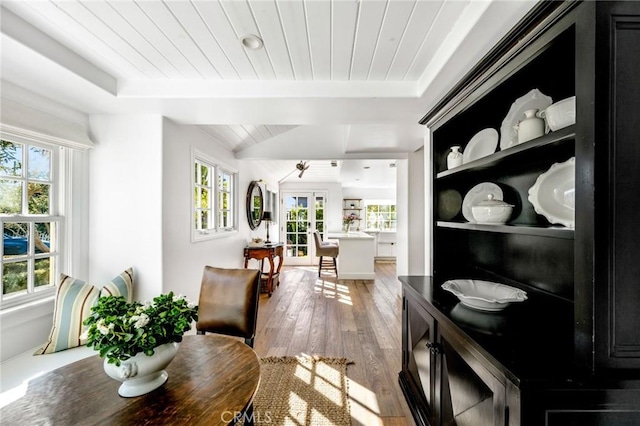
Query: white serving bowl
(561, 114)
(484, 295)
(491, 212)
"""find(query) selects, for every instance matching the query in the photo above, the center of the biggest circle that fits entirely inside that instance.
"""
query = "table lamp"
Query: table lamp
(266, 216)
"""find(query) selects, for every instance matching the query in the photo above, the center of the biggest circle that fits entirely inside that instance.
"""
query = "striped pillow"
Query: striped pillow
(122, 285)
(74, 299)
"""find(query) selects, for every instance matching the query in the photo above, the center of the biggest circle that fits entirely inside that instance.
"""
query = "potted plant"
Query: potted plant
(139, 340)
(348, 220)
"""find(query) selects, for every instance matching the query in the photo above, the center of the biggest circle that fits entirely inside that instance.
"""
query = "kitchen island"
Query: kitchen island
(356, 258)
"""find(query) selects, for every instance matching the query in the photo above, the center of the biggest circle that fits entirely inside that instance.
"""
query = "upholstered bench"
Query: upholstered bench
(16, 371)
(74, 299)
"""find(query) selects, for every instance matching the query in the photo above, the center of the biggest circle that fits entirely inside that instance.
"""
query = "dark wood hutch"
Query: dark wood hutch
(570, 354)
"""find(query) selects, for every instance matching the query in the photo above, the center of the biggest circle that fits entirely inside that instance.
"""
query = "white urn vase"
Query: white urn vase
(141, 374)
(454, 158)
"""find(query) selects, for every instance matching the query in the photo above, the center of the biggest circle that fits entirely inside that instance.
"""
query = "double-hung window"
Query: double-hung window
(214, 198)
(29, 190)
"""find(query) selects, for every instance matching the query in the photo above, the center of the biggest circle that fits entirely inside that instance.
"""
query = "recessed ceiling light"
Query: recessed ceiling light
(251, 41)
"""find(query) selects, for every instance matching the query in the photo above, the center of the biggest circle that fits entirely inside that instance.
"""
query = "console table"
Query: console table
(212, 378)
(271, 252)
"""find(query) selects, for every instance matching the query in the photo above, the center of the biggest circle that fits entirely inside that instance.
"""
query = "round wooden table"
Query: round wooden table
(211, 379)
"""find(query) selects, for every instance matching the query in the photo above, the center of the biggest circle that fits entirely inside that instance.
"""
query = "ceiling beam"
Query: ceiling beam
(27, 35)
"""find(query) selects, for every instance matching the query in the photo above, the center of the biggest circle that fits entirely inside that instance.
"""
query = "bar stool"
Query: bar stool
(326, 249)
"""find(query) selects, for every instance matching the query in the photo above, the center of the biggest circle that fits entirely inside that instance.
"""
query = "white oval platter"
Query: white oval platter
(554, 193)
(484, 295)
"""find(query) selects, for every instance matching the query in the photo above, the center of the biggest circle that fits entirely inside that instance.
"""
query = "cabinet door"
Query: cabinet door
(386, 250)
(419, 360)
(618, 230)
(471, 395)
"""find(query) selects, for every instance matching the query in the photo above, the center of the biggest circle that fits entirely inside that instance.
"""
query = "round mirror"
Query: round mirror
(255, 204)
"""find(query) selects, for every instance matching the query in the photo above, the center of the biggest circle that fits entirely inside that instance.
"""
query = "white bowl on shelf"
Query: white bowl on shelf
(484, 295)
(560, 114)
(491, 211)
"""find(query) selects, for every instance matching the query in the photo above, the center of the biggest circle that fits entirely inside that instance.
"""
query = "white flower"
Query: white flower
(102, 328)
(85, 334)
(191, 305)
(178, 297)
(141, 320)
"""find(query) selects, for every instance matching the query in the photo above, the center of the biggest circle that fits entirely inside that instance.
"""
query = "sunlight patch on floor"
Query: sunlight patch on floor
(323, 381)
(331, 290)
(298, 416)
(303, 373)
(364, 405)
(327, 381)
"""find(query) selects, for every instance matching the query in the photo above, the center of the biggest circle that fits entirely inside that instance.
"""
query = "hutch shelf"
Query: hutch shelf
(353, 206)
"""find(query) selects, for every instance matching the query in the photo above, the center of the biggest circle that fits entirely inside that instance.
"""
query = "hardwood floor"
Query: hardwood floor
(356, 319)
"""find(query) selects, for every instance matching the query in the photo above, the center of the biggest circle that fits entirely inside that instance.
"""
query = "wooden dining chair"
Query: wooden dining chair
(325, 250)
(228, 302)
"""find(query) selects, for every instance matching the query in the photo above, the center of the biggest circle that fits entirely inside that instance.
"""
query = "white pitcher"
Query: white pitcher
(530, 127)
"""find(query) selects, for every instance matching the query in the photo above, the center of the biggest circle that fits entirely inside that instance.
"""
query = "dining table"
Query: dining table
(212, 381)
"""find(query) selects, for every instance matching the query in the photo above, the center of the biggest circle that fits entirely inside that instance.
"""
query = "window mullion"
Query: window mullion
(25, 181)
(31, 249)
(213, 200)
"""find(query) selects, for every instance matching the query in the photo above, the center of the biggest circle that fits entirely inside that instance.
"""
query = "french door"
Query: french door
(303, 213)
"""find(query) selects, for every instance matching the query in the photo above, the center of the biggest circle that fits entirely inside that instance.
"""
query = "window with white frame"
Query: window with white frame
(29, 187)
(381, 215)
(214, 198)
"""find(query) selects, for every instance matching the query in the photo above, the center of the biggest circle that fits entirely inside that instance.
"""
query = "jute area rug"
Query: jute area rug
(303, 390)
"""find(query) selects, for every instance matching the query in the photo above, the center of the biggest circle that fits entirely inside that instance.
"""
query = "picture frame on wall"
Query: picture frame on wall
(271, 204)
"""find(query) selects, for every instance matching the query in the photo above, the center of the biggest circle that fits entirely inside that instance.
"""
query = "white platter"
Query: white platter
(479, 193)
(534, 99)
(484, 295)
(553, 194)
(480, 145)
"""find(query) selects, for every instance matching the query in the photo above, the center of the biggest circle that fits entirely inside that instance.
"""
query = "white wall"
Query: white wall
(427, 208)
(125, 202)
(412, 219)
(402, 206)
(416, 238)
(370, 193)
(183, 260)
